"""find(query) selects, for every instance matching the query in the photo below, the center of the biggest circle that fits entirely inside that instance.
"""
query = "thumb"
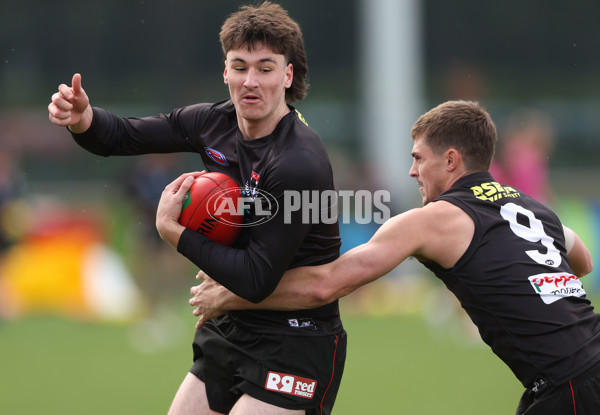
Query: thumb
(76, 84)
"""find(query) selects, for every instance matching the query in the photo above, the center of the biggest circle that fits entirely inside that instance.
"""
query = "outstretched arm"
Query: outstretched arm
(314, 286)
(440, 232)
(70, 107)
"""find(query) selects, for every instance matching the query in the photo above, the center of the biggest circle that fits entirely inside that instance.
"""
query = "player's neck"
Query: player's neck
(257, 128)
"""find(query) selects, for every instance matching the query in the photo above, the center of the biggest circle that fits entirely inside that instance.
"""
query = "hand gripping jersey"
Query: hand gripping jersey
(515, 283)
(292, 158)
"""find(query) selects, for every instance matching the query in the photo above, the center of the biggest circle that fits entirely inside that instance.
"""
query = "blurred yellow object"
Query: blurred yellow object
(15, 219)
(65, 270)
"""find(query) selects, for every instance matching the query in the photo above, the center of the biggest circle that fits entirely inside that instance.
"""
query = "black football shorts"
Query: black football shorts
(292, 372)
(578, 396)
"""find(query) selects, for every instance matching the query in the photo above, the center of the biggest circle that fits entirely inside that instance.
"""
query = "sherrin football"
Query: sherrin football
(211, 208)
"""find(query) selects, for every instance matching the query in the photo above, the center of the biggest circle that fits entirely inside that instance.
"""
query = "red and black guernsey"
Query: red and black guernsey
(291, 158)
(516, 284)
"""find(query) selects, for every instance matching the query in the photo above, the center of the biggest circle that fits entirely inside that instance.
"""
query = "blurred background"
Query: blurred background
(93, 306)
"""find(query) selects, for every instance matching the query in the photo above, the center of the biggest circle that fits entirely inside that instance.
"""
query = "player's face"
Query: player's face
(429, 169)
(257, 80)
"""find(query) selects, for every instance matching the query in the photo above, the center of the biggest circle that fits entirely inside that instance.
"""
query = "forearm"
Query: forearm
(278, 300)
(300, 288)
(211, 299)
(314, 286)
(112, 135)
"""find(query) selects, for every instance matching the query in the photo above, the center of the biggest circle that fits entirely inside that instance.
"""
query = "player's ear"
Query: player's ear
(289, 75)
(225, 74)
(453, 158)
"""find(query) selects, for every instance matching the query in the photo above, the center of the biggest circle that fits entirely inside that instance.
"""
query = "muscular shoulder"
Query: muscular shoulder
(447, 232)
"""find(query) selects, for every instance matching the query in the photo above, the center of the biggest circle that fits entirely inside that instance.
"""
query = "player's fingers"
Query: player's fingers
(55, 112)
(58, 116)
(174, 186)
(185, 185)
(66, 92)
(63, 122)
(200, 322)
(76, 83)
(178, 181)
(60, 102)
(193, 302)
(201, 276)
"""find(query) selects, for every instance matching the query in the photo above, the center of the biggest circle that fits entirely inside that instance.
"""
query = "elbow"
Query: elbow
(587, 268)
(258, 292)
(587, 265)
(321, 295)
(580, 258)
(256, 296)
(255, 299)
(584, 267)
(324, 289)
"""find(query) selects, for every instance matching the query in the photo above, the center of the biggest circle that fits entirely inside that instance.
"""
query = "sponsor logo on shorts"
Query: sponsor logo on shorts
(290, 384)
(553, 287)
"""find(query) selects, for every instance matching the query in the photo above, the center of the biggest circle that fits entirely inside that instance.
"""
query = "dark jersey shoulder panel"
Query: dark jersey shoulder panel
(516, 284)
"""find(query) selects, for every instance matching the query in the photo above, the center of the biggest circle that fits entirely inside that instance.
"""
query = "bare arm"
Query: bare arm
(70, 107)
(299, 288)
(309, 287)
(578, 254)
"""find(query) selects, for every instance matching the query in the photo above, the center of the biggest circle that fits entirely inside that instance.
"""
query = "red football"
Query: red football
(212, 208)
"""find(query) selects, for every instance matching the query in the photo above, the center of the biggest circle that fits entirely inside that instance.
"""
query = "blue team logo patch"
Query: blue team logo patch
(216, 156)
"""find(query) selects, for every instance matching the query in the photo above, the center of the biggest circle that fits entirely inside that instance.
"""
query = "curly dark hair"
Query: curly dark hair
(270, 25)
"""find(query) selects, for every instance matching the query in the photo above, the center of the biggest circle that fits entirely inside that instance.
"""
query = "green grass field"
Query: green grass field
(59, 366)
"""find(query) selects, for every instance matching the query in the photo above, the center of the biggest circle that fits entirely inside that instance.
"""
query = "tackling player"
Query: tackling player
(508, 259)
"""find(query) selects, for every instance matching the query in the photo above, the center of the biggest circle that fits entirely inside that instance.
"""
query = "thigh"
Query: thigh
(248, 405)
(191, 399)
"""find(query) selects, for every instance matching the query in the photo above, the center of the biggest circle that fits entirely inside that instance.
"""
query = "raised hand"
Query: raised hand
(70, 107)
